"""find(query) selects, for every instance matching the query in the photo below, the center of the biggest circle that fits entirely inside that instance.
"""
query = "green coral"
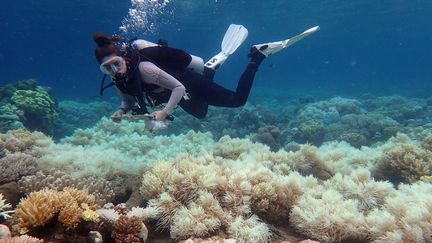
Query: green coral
(311, 131)
(40, 110)
(35, 102)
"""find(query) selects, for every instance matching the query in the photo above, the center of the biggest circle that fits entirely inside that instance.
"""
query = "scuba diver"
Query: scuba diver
(149, 74)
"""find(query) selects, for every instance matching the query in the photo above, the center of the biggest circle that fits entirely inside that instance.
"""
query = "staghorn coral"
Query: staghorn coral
(403, 162)
(127, 229)
(40, 207)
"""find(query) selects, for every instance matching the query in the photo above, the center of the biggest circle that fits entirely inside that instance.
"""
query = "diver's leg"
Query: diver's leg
(196, 108)
(214, 94)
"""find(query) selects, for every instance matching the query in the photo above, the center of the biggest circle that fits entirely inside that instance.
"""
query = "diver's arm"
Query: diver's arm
(127, 101)
(150, 73)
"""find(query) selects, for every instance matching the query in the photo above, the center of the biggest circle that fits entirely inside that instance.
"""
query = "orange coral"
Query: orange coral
(41, 206)
(37, 209)
(70, 215)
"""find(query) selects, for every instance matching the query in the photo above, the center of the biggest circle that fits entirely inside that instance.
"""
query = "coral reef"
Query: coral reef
(5, 211)
(356, 186)
(269, 135)
(126, 224)
(58, 180)
(403, 162)
(74, 115)
(40, 110)
(19, 151)
(8, 90)
(14, 166)
(127, 229)
(40, 207)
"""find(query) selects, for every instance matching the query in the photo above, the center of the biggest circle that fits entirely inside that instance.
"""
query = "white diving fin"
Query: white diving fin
(234, 37)
(270, 48)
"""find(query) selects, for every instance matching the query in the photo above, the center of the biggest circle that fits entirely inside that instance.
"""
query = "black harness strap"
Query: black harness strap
(102, 87)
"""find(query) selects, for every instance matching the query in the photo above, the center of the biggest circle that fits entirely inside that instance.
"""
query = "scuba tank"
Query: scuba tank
(196, 64)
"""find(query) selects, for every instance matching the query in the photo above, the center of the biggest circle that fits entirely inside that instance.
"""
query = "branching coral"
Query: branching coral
(22, 140)
(307, 161)
(127, 230)
(58, 180)
(249, 230)
(404, 162)
(360, 186)
(36, 102)
(14, 166)
(199, 196)
(328, 217)
(270, 136)
(5, 211)
(198, 219)
(40, 207)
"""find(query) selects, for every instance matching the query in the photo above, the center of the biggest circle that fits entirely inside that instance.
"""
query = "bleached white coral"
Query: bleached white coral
(249, 230)
(360, 186)
(4, 208)
(109, 214)
(144, 214)
(328, 217)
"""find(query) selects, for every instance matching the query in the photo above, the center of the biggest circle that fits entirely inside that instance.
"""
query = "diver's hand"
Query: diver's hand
(159, 115)
(116, 117)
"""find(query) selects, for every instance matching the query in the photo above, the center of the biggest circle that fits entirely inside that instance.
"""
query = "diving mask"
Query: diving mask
(113, 66)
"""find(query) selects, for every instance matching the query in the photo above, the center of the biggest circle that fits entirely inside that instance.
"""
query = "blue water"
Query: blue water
(364, 46)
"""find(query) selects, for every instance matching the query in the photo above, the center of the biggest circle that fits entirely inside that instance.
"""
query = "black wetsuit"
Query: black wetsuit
(202, 90)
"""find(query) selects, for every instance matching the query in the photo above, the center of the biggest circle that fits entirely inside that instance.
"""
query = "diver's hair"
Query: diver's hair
(105, 45)
(102, 39)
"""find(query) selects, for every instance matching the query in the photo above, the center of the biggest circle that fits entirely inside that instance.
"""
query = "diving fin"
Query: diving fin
(270, 48)
(234, 37)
